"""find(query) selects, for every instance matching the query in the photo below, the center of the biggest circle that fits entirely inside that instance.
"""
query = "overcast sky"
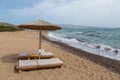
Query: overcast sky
(80, 12)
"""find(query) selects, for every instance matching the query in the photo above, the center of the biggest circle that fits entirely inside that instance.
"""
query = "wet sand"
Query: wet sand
(76, 66)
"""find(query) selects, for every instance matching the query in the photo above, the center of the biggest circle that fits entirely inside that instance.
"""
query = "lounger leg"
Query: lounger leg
(59, 67)
(28, 58)
(19, 70)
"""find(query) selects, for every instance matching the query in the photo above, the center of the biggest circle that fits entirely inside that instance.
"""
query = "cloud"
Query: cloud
(75, 11)
(39, 8)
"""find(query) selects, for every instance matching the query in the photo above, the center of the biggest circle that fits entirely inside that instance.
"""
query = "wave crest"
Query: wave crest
(98, 49)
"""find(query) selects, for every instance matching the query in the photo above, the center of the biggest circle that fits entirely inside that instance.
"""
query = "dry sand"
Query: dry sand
(74, 68)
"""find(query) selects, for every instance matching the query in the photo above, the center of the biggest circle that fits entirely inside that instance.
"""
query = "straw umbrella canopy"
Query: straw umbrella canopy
(39, 25)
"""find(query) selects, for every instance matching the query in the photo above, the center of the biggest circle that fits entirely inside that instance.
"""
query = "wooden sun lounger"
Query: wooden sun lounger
(38, 64)
(44, 55)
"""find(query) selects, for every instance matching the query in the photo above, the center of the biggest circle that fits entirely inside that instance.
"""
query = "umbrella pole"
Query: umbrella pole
(39, 41)
(40, 38)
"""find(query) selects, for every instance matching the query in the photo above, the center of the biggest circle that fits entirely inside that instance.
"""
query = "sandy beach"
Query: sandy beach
(76, 67)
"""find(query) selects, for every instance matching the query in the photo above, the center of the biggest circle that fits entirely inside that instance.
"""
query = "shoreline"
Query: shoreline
(91, 47)
(110, 64)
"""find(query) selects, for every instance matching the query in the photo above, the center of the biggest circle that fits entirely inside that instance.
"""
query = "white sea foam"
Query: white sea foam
(102, 50)
(79, 32)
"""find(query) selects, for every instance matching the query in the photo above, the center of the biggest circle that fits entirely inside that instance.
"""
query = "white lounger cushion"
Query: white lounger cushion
(22, 54)
(49, 61)
(47, 54)
(41, 63)
(27, 63)
(42, 55)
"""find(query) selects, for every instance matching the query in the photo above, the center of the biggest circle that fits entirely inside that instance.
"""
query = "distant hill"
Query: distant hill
(78, 26)
(6, 24)
(74, 26)
(8, 27)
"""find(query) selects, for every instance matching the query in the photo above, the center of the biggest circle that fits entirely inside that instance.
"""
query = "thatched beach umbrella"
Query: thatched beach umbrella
(39, 25)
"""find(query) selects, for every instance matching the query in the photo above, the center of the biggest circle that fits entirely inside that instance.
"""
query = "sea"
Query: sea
(100, 41)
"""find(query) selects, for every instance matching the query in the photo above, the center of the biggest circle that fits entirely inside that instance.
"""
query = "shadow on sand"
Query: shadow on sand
(12, 58)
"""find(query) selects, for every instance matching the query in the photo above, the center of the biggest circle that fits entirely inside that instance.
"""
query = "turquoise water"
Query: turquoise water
(100, 41)
(109, 37)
